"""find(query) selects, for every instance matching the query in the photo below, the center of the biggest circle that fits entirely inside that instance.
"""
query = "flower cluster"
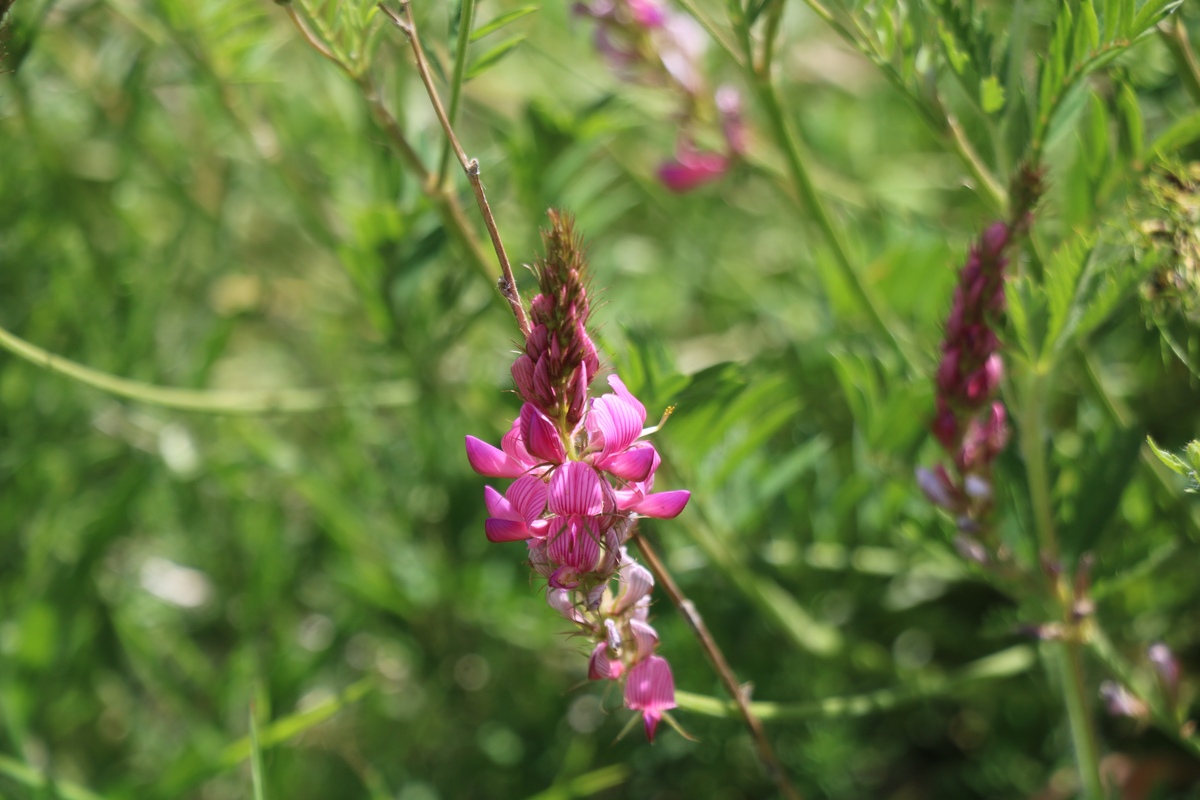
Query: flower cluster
(969, 423)
(647, 41)
(583, 477)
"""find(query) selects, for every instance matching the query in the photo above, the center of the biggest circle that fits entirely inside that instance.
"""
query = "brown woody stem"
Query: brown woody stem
(766, 753)
(507, 283)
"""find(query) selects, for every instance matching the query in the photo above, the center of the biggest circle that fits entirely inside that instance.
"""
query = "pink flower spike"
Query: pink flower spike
(663, 505)
(491, 461)
(651, 690)
(691, 169)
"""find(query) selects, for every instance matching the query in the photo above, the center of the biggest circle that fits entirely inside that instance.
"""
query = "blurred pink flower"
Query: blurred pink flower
(692, 168)
(650, 688)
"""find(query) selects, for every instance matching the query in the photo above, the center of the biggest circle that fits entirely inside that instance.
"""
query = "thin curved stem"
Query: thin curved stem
(766, 753)
(507, 284)
(1065, 653)
(466, 21)
(447, 206)
(1006, 663)
(815, 204)
(1175, 36)
(232, 402)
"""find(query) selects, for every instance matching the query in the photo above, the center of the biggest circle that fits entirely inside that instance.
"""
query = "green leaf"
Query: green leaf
(1151, 14)
(957, 57)
(1181, 134)
(1087, 31)
(493, 56)
(1125, 24)
(1026, 307)
(1131, 120)
(991, 94)
(1170, 460)
(1106, 473)
(501, 21)
(1064, 279)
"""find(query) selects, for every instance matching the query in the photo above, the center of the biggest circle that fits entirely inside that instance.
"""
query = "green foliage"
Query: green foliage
(219, 207)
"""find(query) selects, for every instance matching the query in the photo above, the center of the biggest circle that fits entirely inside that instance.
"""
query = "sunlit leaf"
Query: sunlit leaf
(494, 56)
(502, 21)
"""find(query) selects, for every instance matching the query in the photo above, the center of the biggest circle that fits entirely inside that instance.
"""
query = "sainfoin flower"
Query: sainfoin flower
(583, 475)
(969, 423)
(647, 41)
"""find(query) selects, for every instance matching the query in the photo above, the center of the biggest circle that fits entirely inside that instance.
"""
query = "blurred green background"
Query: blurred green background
(192, 197)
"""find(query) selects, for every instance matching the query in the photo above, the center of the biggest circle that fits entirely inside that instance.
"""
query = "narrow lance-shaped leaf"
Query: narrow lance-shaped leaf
(1169, 460)
(1153, 12)
(505, 19)
(1182, 133)
(1131, 122)
(493, 56)
(1064, 287)
(1087, 31)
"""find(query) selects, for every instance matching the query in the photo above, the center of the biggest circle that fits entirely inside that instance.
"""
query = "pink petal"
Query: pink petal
(522, 373)
(634, 464)
(505, 530)
(490, 461)
(514, 445)
(650, 689)
(636, 582)
(601, 667)
(691, 170)
(575, 490)
(618, 421)
(563, 602)
(647, 13)
(540, 436)
(527, 497)
(645, 638)
(663, 505)
(498, 505)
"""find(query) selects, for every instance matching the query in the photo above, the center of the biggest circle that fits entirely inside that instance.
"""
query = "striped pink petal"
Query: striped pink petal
(527, 497)
(575, 490)
(645, 638)
(636, 583)
(601, 667)
(619, 418)
(649, 688)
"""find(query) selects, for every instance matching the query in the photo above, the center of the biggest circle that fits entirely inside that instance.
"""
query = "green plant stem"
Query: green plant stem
(687, 609)
(231, 402)
(1066, 652)
(1174, 34)
(466, 22)
(1004, 664)
(444, 202)
(507, 284)
(41, 783)
(798, 169)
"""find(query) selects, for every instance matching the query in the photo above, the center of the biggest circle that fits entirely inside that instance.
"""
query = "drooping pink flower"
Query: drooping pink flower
(692, 168)
(650, 688)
